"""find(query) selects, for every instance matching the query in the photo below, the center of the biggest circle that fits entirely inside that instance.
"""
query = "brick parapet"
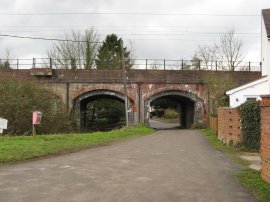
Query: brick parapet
(229, 126)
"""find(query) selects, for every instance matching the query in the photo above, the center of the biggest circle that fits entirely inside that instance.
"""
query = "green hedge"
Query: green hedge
(250, 124)
(171, 114)
(19, 98)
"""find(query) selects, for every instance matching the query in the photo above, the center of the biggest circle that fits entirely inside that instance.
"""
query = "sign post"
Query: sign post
(36, 120)
(3, 124)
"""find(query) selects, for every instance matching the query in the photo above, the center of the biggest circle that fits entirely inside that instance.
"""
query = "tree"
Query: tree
(108, 108)
(208, 56)
(217, 86)
(195, 62)
(109, 54)
(19, 98)
(164, 103)
(229, 52)
(77, 52)
(6, 59)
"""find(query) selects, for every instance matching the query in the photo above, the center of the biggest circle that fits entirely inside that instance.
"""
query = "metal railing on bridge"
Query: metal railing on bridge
(142, 64)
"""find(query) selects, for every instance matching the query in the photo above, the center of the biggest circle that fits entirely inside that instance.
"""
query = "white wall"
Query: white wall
(254, 91)
(265, 55)
(265, 51)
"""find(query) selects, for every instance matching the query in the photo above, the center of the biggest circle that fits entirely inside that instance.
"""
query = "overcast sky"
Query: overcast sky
(163, 36)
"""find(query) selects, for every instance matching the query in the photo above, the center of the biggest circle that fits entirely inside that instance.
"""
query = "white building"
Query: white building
(254, 89)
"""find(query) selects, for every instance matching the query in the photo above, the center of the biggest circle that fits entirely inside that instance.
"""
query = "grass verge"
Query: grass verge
(21, 148)
(248, 177)
(217, 144)
(253, 181)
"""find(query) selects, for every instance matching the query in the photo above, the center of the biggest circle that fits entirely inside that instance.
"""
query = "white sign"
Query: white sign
(3, 124)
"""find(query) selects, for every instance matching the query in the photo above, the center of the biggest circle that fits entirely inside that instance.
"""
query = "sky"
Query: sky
(164, 29)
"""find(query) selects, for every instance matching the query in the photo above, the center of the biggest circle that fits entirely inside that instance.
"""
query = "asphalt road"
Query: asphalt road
(162, 125)
(168, 166)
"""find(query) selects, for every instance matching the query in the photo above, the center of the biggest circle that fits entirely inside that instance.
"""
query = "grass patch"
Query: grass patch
(20, 148)
(253, 181)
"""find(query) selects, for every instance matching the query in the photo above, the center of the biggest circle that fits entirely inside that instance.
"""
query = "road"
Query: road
(168, 166)
(162, 125)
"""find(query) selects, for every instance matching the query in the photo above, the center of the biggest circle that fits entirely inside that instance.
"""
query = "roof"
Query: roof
(248, 85)
(266, 18)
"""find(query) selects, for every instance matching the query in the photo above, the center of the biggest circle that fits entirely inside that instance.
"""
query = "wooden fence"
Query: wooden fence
(213, 123)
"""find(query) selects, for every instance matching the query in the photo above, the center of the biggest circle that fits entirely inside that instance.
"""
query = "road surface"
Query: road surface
(162, 125)
(168, 166)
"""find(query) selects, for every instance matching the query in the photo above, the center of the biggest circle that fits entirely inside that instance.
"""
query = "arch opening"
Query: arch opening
(173, 109)
(100, 110)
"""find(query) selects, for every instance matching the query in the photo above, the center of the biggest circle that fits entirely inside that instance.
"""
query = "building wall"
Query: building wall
(229, 127)
(265, 138)
(253, 91)
(265, 55)
(265, 51)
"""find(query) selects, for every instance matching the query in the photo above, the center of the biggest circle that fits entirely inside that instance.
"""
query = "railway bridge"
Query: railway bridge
(79, 87)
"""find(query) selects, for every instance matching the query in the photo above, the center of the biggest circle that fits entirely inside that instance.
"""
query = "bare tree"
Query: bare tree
(229, 52)
(77, 52)
(208, 56)
(6, 58)
(217, 86)
(231, 49)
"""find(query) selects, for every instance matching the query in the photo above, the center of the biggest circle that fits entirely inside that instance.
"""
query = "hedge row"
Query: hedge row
(19, 98)
(250, 124)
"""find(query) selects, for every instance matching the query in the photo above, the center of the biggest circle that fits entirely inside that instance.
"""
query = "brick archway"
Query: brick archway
(192, 106)
(81, 101)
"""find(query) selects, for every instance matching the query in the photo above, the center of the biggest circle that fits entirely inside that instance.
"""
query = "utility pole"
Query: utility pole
(124, 80)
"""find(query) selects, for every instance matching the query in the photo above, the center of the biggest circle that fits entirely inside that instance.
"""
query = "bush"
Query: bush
(160, 113)
(199, 125)
(19, 98)
(153, 113)
(250, 124)
(171, 114)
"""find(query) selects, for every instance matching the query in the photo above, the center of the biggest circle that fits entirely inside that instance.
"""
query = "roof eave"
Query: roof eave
(247, 85)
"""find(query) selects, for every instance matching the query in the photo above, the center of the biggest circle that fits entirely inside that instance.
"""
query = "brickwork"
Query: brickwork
(265, 137)
(144, 76)
(229, 126)
(188, 87)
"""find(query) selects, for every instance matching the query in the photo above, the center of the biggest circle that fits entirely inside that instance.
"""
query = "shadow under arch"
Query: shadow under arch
(81, 101)
(192, 106)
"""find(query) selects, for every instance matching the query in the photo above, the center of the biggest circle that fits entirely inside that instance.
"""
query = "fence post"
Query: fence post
(34, 62)
(146, 63)
(182, 64)
(164, 65)
(199, 64)
(216, 65)
(233, 66)
(17, 64)
(249, 66)
(260, 66)
(51, 63)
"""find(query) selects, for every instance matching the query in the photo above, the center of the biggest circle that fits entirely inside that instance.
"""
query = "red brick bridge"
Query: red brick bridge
(79, 87)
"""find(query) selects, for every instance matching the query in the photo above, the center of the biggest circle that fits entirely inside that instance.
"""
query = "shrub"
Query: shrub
(160, 113)
(199, 125)
(19, 98)
(153, 113)
(171, 114)
(250, 124)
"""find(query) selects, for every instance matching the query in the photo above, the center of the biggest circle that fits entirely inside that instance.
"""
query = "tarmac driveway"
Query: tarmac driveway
(170, 165)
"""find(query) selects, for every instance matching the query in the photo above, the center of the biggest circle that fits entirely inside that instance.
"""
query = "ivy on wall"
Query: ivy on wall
(250, 124)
